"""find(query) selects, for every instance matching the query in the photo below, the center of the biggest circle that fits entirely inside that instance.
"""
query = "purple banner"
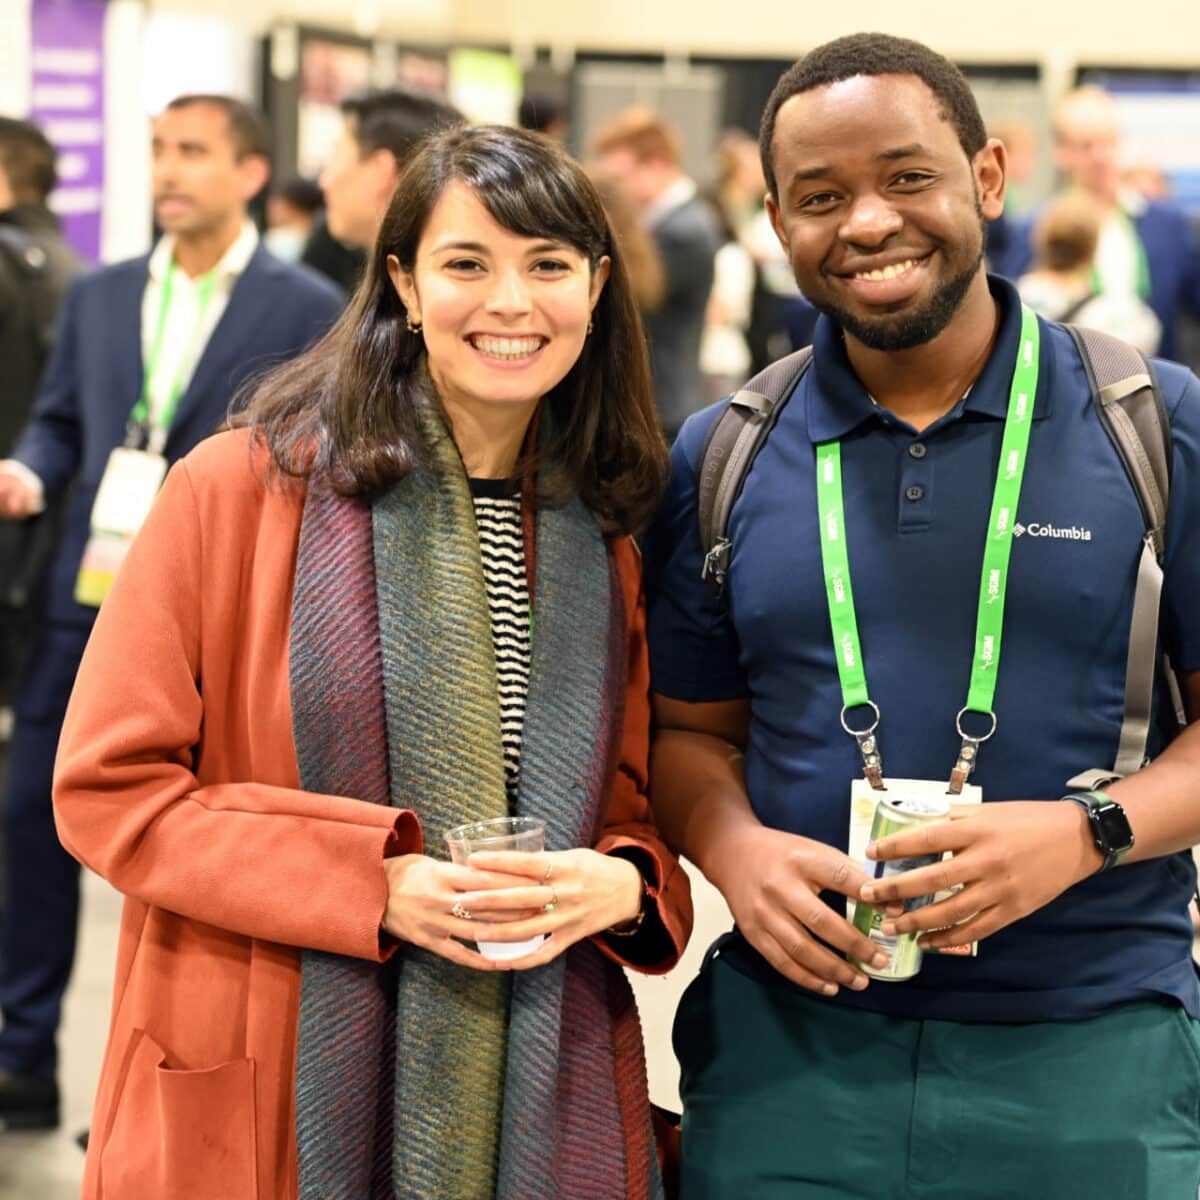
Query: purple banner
(68, 103)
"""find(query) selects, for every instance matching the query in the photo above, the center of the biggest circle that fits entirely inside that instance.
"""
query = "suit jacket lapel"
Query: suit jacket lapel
(226, 351)
(123, 352)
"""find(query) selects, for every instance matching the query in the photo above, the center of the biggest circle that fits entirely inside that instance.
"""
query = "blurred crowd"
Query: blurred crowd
(151, 353)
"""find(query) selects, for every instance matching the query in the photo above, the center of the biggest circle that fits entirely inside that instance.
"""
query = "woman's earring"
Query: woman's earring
(589, 324)
(413, 326)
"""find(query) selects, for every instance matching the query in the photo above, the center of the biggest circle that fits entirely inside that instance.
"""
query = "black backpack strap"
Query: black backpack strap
(733, 442)
(1130, 404)
(31, 263)
(1074, 309)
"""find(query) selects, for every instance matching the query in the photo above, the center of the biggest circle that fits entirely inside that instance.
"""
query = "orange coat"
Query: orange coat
(177, 781)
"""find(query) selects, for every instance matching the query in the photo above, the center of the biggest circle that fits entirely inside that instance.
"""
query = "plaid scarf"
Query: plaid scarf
(420, 1079)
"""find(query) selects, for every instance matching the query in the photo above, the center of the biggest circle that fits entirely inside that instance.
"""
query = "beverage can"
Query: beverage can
(894, 815)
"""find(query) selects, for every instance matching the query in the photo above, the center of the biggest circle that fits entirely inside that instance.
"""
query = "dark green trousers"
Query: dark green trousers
(789, 1098)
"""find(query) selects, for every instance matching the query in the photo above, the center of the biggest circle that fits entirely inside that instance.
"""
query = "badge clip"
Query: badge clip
(968, 753)
(868, 746)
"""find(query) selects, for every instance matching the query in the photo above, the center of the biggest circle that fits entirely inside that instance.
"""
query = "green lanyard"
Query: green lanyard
(1141, 267)
(139, 418)
(993, 585)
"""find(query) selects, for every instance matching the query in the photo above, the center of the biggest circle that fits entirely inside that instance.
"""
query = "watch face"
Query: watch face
(1112, 826)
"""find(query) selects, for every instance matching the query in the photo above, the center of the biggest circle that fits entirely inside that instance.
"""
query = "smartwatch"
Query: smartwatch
(1110, 826)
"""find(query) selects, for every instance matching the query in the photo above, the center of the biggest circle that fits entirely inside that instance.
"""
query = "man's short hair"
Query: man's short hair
(27, 159)
(397, 120)
(876, 54)
(539, 112)
(247, 129)
(302, 194)
(1067, 233)
(1086, 96)
(642, 132)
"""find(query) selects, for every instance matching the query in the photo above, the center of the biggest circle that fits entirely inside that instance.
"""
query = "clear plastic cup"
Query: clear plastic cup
(500, 833)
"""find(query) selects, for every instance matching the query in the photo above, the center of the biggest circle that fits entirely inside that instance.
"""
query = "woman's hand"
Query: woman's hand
(423, 894)
(587, 893)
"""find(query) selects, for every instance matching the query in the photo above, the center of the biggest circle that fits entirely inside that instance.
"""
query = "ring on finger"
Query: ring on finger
(553, 903)
(459, 911)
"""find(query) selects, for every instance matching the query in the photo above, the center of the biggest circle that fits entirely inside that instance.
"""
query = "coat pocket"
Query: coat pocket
(180, 1135)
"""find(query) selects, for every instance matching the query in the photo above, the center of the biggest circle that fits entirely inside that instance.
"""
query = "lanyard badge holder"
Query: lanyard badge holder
(135, 471)
(993, 586)
(839, 592)
(997, 551)
(975, 722)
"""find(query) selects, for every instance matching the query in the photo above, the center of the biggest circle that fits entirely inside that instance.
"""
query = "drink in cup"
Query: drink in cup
(500, 833)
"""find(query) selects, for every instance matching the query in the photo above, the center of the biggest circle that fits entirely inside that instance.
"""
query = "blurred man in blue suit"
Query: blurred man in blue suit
(150, 354)
(1147, 247)
(642, 157)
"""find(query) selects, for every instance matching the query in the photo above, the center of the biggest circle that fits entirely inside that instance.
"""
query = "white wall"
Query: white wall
(150, 58)
(15, 60)
(1160, 32)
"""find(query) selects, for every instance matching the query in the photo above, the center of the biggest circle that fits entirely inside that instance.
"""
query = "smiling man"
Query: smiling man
(937, 422)
(148, 356)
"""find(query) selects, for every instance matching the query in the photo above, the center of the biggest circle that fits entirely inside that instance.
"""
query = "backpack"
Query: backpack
(31, 264)
(1126, 395)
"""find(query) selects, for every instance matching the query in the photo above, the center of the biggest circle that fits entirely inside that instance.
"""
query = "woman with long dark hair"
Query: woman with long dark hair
(401, 596)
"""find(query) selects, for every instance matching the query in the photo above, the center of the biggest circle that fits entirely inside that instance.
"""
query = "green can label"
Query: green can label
(894, 815)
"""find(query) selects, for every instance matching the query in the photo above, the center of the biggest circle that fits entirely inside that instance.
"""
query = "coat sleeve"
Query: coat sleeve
(629, 828)
(261, 860)
(51, 445)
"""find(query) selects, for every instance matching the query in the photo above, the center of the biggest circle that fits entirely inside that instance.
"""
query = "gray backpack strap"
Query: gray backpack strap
(1129, 403)
(734, 440)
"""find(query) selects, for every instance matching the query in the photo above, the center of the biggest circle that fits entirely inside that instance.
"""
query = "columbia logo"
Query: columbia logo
(1061, 533)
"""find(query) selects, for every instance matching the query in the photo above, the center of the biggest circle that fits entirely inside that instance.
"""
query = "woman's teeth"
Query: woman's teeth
(501, 347)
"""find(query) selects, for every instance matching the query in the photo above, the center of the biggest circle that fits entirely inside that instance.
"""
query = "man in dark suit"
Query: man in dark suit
(379, 133)
(640, 155)
(150, 353)
(36, 264)
(1146, 247)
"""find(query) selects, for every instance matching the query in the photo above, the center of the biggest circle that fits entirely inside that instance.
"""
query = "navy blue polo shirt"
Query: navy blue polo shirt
(916, 513)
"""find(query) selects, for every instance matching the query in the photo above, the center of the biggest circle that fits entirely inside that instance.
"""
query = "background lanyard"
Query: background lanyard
(1141, 279)
(140, 417)
(993, 585)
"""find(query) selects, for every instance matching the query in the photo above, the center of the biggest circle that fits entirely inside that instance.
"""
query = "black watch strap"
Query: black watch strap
(1110, 828)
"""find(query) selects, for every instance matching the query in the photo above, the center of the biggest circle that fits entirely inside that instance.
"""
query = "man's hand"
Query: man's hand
(773, 888)
(17, 499)
(1011, 859)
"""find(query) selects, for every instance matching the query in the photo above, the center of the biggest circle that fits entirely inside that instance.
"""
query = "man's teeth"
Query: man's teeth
(887, 272)
(498, 347)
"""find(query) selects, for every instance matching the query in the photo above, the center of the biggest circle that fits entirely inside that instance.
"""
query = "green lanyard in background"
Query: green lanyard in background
(993, 585)
(140, 418)
(1141, 267)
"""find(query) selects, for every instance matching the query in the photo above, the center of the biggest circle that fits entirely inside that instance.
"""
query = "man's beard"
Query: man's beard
(907, 330)
(912, 329)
